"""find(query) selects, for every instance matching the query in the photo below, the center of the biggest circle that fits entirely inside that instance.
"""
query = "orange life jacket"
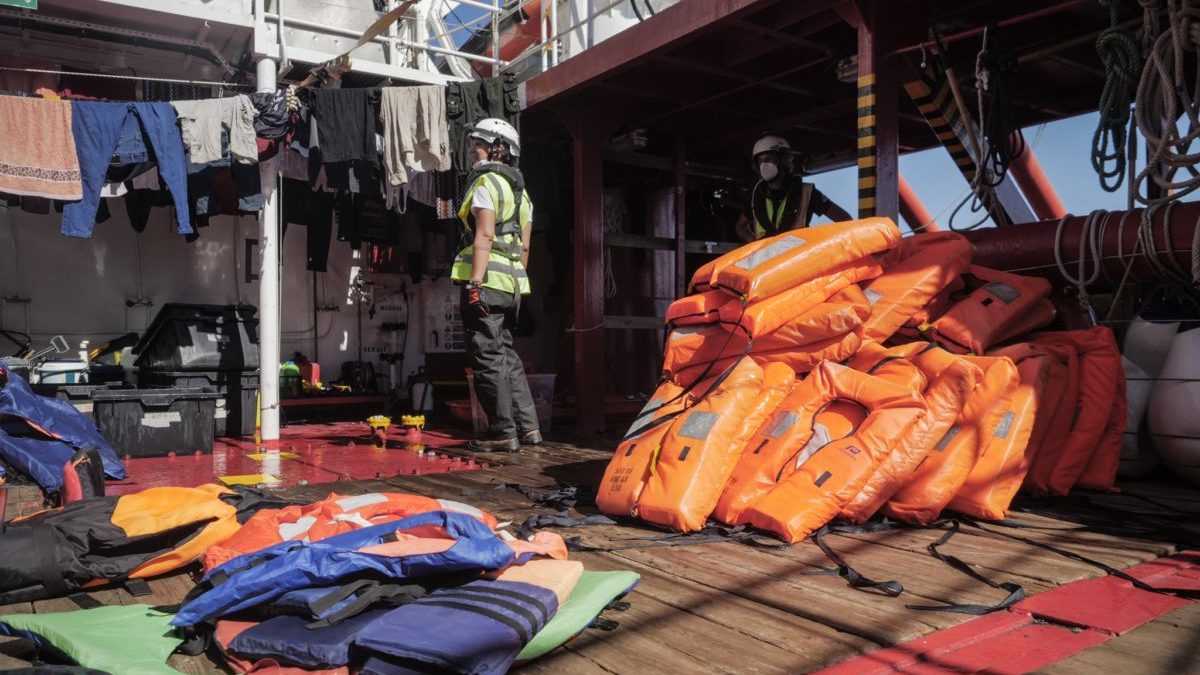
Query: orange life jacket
(704, 444)
(697, 309)
(823, 483)
(1005, 451)
(1099, 368)
(935, 482)
(914, 273)
(799, 256)
(330, 516)
(998, 301)
(627, 471)
(765, 316)
(952, 380)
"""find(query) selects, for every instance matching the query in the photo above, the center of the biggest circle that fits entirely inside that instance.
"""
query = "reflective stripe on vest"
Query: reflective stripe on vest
(775, 216)
(505, 272)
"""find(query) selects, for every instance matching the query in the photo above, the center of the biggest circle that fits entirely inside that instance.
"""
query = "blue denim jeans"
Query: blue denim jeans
(103, 130)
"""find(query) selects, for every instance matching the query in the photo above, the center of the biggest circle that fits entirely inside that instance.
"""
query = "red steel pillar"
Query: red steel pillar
(878, 138)
(1036, 186)
(914, 211)
(587, 148)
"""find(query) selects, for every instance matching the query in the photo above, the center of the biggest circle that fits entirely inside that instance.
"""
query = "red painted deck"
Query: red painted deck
(306, 454)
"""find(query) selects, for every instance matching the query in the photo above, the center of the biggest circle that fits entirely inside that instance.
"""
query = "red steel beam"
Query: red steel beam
(668, 29)
(1028, 248)
(1036, 186)
(914, 211)
(1003, 23)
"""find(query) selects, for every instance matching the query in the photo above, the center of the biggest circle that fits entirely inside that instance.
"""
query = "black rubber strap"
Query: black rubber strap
(523, 632)
(1016, 592)
(852, 576)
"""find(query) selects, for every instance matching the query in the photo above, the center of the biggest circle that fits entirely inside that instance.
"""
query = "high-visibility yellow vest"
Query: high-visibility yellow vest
(772, 217)
(505, 272)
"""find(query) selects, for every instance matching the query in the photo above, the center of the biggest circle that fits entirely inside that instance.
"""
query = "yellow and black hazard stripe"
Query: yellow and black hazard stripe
(941, 114)
(866, 145)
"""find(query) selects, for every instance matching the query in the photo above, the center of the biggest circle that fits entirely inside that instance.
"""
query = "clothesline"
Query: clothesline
(142, 78)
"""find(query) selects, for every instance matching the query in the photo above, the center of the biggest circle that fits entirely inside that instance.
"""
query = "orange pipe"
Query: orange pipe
(1036, 186)
(914, 211)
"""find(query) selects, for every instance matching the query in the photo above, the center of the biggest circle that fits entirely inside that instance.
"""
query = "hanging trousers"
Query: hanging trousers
(102, 130)
(500, 380)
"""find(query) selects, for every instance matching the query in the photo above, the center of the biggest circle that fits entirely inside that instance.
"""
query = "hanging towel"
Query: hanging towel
(203, 121)
(37, 150)
(416, 134)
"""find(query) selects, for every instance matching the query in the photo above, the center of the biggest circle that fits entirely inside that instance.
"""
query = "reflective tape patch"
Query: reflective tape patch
(296, 530)
(698, 425)
(1005, 425)
(820, 438)
(770, 251)
(359, 501)
(783, 422)
(645, 417)
(687, 331)
(1006, 293)
(872, 296)
(950, 434)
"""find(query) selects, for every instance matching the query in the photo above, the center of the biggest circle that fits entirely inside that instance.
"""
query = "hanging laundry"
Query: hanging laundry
(37, 151)
(206, 123)
(346, 124)
(416, 135)
(118, 132)
(314, 210)
(274, 119)
(469, 102)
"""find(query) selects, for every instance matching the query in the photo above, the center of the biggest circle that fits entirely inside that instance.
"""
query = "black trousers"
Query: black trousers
(500, 380)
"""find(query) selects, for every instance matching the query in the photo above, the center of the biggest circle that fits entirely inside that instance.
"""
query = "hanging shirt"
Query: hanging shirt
(206, 122)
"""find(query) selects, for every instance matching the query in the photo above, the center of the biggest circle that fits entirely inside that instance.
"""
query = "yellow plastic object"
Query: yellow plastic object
(379, 422)
(417, 421)
(260, 456)
(249, 479)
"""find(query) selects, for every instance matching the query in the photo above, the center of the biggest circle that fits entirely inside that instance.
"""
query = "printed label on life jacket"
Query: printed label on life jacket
(765, 253)
(1001, 290)
(698, 425)
(783, 422)
(1004, 425)
(161, 420)
(950, 434)
(872, 296)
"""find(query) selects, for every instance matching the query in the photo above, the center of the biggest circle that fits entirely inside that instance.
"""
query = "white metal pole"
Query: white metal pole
(496, 39)
(553, 33)
(268, 284)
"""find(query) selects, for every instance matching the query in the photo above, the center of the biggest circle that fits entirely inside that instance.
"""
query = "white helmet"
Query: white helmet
(769, 144)
(494, 129)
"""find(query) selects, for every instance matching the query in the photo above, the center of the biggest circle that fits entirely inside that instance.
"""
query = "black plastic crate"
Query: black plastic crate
(156, 422)
(200, 337)
(78, 395)
(238, 403)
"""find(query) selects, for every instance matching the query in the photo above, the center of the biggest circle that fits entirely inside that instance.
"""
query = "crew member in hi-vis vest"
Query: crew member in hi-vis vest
(497, 215)
(780, 200)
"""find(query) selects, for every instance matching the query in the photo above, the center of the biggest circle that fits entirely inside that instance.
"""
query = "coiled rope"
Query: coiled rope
(1122, 59)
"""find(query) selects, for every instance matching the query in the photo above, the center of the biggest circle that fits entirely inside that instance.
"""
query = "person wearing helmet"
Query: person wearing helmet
(781, 200)
(497, 216)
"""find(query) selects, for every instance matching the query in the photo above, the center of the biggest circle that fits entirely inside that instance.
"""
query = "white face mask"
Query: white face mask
(768, 170)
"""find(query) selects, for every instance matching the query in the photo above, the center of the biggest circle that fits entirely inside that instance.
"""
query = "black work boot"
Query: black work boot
(532, 438)
(494, 445)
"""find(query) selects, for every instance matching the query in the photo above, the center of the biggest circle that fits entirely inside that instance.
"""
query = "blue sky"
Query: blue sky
(1063, 149)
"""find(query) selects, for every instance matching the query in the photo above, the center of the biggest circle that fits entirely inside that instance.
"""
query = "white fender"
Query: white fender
(1137, 459)
(1174, 410)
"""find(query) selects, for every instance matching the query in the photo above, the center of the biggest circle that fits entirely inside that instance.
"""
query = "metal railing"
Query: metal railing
(393, 41)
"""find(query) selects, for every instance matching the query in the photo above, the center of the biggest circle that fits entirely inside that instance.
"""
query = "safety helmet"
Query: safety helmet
(493, 129)
(771, 143)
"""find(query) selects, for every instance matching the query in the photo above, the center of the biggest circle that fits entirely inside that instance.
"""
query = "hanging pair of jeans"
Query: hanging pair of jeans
(101, 129)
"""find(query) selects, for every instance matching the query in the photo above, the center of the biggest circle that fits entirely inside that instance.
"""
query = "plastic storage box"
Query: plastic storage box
(78, 395)
(156, 422)
(238, 394)
(200, 337)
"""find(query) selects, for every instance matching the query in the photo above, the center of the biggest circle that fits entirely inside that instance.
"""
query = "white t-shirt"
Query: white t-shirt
(483, 200)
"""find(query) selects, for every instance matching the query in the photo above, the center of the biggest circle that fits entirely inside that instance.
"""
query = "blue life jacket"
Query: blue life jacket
(42, 458)
(473, 629)
(263, 576)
